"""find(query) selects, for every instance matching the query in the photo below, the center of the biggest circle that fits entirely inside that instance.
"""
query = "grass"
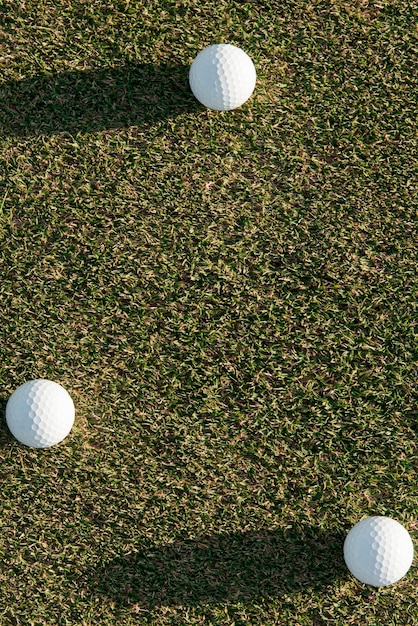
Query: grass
(230, 299)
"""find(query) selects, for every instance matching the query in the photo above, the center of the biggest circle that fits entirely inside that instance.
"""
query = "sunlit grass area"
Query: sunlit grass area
(230, 298)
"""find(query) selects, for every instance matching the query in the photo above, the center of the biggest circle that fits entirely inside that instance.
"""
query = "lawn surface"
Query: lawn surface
(229, 297)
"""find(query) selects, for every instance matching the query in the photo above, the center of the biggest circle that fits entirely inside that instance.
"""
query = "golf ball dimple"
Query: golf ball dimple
(222, 77)
(40, 413)
(378, 551)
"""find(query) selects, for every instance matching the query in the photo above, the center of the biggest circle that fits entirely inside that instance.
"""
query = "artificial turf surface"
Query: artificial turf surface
(229, 297)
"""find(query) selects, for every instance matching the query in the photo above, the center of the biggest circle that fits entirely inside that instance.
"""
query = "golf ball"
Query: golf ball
(40, 413)
(378, 551)
(222, 77)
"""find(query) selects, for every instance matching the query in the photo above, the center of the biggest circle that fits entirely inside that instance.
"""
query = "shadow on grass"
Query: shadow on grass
(224, 568)
(94, 100)
(5, 435)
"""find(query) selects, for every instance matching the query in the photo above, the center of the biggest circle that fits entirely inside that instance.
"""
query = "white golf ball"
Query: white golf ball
(40, 413)
(378, 551)
(222, 77)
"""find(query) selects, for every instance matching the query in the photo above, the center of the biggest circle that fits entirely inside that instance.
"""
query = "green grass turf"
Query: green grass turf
(230, 299)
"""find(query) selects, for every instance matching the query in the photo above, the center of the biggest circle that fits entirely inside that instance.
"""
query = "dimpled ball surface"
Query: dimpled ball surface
(222, 77)
(40, 413)
(378, 551)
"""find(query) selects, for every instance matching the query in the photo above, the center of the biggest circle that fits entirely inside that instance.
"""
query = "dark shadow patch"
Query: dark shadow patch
(233, 567)
(5, 434)
(95, 100)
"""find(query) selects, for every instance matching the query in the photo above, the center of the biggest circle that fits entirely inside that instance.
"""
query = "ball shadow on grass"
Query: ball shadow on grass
(235, 567)
(94, 100)
(5, 435)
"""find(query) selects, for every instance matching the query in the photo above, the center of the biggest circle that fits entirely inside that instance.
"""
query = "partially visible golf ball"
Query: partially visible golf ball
(40, 413)
(222, 77)
(378, 551)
